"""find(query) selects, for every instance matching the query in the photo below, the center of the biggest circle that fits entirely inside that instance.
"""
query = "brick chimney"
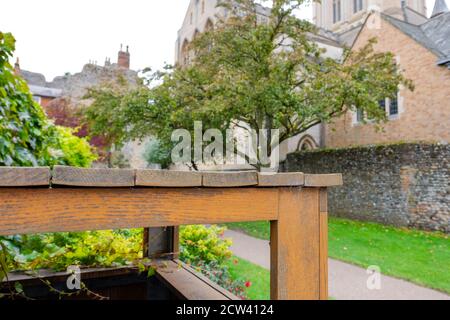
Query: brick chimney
(124, 58)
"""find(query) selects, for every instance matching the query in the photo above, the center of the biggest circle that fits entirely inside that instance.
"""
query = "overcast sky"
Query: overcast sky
(59, 36)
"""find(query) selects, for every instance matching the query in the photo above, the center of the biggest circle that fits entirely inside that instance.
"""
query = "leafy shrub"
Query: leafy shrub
(57, 251)
(202, 244)
(156, 153)
(75, 151)
(204, 249)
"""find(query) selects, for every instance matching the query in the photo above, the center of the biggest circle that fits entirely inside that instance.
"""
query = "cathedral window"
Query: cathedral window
(337, 11)
(357, 5)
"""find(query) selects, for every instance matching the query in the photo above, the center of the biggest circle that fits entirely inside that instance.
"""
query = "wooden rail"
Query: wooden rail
(38, 200)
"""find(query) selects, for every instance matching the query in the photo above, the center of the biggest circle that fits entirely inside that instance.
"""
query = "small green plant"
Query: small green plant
(200, 243)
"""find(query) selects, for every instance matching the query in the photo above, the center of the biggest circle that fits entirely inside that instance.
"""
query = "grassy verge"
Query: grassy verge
(420, 257)
(258, 278)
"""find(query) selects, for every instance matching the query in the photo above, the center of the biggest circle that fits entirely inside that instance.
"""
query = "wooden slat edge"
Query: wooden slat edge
(214, 285)
(185, 284)
(294, 179)
(323, 180)
(230, 179)
(81, 177)
(24, 176)
(169, 179)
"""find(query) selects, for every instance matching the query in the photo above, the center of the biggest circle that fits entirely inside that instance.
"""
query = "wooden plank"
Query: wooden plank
(226, 293)
(81, 177)
(295, 241)
(185, 284)
(294, 179)
(323, 244)
(230, 179)
(80, 209)
(166, 178)
(323, 180)
(24, 177)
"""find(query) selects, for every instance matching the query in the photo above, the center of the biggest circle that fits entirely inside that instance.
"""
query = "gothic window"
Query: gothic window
(306, 143)
(185, 53)
(357, 5)
(191, 18)
(203, 6)
(209, 25)
(337, 11)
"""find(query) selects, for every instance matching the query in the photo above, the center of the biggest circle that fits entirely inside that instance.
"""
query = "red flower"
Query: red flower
(248, 284)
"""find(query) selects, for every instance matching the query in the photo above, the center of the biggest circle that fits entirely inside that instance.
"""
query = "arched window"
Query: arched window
(185, 53)
(209, 25)
(203, 6)
(306, 143)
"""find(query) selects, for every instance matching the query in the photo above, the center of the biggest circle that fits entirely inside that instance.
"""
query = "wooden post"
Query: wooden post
(162, 242)
(324, 244)
(295, 246)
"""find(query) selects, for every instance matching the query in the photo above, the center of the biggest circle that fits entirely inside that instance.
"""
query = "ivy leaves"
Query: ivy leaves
(27, 137)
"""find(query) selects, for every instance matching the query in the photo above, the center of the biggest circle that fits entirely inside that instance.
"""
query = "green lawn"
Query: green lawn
(420, 257)
(258, 277)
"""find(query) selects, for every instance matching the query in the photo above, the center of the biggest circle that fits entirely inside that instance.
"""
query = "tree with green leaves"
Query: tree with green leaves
(27, 137)
(265, 75)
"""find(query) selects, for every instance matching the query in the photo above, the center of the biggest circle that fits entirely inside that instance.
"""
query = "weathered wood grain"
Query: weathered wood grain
(295, 241)
(166, 178)
(323, 180)
(24, 177)
(323, 244)
(281, 179)
(230, 179)
(81, 209)
(187, 285)
(80, 177)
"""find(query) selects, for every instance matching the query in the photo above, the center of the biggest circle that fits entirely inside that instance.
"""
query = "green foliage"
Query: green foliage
(76, 152)
(27, 138)
(205, 249)
(157, 153)
(201, 243)
(24, 130)
(57, 251)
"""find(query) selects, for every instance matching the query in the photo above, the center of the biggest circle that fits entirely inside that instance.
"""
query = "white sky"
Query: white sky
(59, 36)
